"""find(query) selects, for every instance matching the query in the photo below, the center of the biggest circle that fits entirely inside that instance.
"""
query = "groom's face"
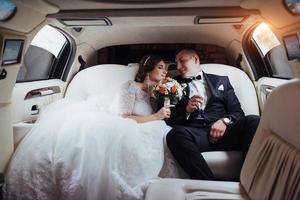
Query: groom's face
(187, 64)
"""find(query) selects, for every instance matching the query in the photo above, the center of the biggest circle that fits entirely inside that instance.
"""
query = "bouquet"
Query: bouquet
(168, 91)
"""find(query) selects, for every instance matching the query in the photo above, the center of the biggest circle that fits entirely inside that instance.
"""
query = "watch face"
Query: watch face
(226, 120)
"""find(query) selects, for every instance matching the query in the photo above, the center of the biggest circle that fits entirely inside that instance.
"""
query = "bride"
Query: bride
(76, 150)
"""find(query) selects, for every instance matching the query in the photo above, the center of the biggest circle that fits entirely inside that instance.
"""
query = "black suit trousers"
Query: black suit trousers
(187, 143)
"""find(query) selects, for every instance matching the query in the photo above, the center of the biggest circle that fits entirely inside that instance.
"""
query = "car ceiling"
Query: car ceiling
(268, 8)
(173, 20)
(98, 4)
(40, 8)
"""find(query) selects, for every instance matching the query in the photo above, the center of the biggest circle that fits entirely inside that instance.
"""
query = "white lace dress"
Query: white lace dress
(82, 150)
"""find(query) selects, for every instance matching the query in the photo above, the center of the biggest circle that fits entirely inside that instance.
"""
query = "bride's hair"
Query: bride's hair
(147, 64)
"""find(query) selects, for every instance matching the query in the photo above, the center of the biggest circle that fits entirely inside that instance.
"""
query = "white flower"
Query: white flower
(168, 88)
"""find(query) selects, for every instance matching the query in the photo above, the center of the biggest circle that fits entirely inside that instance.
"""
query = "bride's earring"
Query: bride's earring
(147, 81)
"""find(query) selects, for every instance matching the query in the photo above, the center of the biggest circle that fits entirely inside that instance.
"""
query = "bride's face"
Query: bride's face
(159, 72)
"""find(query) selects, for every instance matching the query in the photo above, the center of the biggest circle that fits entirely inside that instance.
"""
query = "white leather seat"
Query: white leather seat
(272, 166)
(243, 87)
(103, 79)
(227, 165)
(107, 79)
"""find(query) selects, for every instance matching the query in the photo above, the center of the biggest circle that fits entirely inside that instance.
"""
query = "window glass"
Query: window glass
(292, 46)
(281, 68)
(274, 59)
(50, 39)
(264, 38)
(43, 56)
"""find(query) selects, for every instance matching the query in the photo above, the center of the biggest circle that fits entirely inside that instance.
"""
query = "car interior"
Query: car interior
(74, 49)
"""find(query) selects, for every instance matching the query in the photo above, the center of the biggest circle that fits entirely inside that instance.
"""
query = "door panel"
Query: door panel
(264, 87)
(29, 99)
(7, 80)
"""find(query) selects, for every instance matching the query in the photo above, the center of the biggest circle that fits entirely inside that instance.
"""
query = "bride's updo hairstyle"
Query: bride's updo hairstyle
(146, 65)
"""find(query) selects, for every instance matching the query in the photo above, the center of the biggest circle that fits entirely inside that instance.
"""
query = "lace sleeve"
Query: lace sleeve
(127, 97)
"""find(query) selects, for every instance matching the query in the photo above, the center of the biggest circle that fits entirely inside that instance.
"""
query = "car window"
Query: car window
(264, 38)
(43, 57)
(272, 53)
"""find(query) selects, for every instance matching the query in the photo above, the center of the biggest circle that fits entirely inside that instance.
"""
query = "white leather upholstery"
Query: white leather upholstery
(243, 87)
(101, 79)
(265, 175)
(106, 79)
(227, 165)
(183, 189)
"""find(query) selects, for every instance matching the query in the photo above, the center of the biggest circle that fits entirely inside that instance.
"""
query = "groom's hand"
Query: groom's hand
(217, 131)
(195, 102)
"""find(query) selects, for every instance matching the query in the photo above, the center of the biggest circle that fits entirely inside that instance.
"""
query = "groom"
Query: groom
(208, 118)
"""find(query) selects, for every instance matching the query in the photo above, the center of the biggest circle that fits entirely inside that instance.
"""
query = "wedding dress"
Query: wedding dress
(85, 150)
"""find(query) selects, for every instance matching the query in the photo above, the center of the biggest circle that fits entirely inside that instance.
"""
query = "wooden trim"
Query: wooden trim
(201, 12)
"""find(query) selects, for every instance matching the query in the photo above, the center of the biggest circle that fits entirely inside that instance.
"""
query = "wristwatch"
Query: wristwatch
(226, 121)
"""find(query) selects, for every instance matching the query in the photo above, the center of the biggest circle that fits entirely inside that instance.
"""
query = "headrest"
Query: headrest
(243, 87)
(100, 79)
(271, 167)
(107, 78)
(281, 112)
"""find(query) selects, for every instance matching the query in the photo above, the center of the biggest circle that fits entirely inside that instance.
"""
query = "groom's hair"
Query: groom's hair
(188, 51)
(146, 65)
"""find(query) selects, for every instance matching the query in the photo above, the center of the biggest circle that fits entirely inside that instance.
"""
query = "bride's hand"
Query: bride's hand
(163, 113)
(126, 114)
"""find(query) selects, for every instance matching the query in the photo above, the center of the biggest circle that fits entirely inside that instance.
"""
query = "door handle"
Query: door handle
(46, 92)
(42, 92)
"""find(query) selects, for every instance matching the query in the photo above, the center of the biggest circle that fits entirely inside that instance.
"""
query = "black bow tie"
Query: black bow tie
(187, 80)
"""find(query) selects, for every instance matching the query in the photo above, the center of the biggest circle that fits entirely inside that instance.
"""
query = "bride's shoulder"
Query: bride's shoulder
(130, 86)
(129, 83)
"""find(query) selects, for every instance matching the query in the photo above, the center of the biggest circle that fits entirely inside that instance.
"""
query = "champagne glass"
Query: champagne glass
(167, 102)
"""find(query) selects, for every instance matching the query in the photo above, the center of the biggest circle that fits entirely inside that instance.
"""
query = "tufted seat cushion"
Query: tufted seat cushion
(272, 165)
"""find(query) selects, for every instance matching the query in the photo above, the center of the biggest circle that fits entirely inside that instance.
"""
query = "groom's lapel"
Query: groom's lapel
(210, 83)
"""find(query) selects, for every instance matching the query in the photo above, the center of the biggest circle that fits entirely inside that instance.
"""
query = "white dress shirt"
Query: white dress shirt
(199, 87)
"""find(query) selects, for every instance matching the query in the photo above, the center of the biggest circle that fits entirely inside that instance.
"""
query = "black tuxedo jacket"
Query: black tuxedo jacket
(222, 103)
